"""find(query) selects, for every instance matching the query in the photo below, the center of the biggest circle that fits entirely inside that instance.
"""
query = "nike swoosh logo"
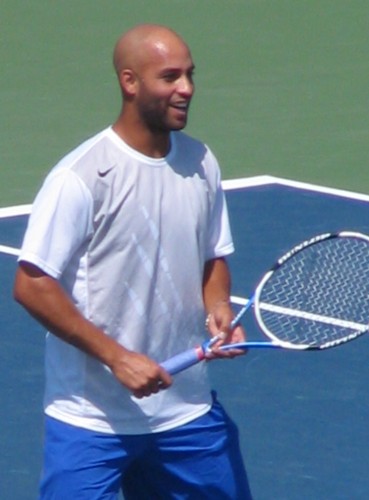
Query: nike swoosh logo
(103, 171)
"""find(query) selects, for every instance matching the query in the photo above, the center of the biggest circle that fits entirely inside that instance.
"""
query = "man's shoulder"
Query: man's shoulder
(88, 147)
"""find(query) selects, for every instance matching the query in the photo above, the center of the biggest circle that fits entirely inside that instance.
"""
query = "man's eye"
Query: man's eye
(170, 77)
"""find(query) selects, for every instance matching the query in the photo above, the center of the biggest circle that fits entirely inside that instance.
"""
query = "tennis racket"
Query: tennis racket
(316, 296)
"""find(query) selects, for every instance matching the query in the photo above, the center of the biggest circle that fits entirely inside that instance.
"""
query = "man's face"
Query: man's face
(166, 87)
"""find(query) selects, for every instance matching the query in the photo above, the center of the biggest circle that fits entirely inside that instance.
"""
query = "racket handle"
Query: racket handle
(183, 360)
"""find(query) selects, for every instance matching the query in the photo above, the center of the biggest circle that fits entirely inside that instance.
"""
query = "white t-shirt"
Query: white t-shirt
(127, 236)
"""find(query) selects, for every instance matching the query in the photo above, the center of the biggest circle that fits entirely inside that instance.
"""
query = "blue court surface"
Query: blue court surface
(303, 417)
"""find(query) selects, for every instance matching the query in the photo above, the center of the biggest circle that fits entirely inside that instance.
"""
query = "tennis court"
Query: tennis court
(281, 91)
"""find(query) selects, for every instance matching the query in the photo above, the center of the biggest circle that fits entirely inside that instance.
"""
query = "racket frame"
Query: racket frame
(282, 260)
(194, 355)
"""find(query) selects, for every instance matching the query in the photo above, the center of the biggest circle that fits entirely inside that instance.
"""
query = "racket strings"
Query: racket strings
(320, 295)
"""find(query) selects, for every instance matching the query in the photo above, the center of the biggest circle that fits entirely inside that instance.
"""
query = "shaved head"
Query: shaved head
(155, 69)
(138, 46)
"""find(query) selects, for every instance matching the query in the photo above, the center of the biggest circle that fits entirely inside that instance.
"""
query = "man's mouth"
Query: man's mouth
(181, 106)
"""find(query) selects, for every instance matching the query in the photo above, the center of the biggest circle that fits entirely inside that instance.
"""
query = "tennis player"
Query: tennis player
(123, 257)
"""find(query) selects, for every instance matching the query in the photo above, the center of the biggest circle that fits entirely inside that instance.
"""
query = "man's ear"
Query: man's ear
(128, 82)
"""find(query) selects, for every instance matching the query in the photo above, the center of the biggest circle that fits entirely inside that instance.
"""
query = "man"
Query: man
(123, 253)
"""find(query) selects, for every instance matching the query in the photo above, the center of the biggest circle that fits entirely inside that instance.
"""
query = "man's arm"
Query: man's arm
(216, 293)
(47, 302)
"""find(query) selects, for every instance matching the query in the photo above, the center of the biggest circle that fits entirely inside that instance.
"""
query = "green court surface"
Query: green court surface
(281, 85)
(281, 90)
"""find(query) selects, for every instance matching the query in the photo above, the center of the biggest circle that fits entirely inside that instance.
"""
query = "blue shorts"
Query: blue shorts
(200, 460)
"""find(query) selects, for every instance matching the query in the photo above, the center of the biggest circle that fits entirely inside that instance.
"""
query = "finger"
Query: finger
(222, 335)
(218, 352)
(161, 383)
(146, 391)
(233, 353)
(217, 339)
(165, 380)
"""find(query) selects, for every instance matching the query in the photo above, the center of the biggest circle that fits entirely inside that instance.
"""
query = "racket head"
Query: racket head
(316, 296)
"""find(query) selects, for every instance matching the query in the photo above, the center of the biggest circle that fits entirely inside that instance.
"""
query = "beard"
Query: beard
(159, 117)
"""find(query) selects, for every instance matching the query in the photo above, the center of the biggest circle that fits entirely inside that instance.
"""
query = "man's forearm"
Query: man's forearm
(47, 302)
(216, 283)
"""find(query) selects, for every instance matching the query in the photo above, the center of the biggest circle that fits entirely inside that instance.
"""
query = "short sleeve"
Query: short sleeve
(219, 237)
(60, 222)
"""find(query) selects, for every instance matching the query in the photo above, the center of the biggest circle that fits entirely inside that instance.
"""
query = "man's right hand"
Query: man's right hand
(140, 374)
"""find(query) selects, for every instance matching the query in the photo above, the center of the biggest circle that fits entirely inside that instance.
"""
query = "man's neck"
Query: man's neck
(154, 145)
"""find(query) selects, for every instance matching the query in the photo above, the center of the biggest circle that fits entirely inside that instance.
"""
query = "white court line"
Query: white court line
(232, 184)
(9, 250)
(319, 318)
(239, 300)
(15, 211)
(228, 185)
(264, 180)
(359, 327)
